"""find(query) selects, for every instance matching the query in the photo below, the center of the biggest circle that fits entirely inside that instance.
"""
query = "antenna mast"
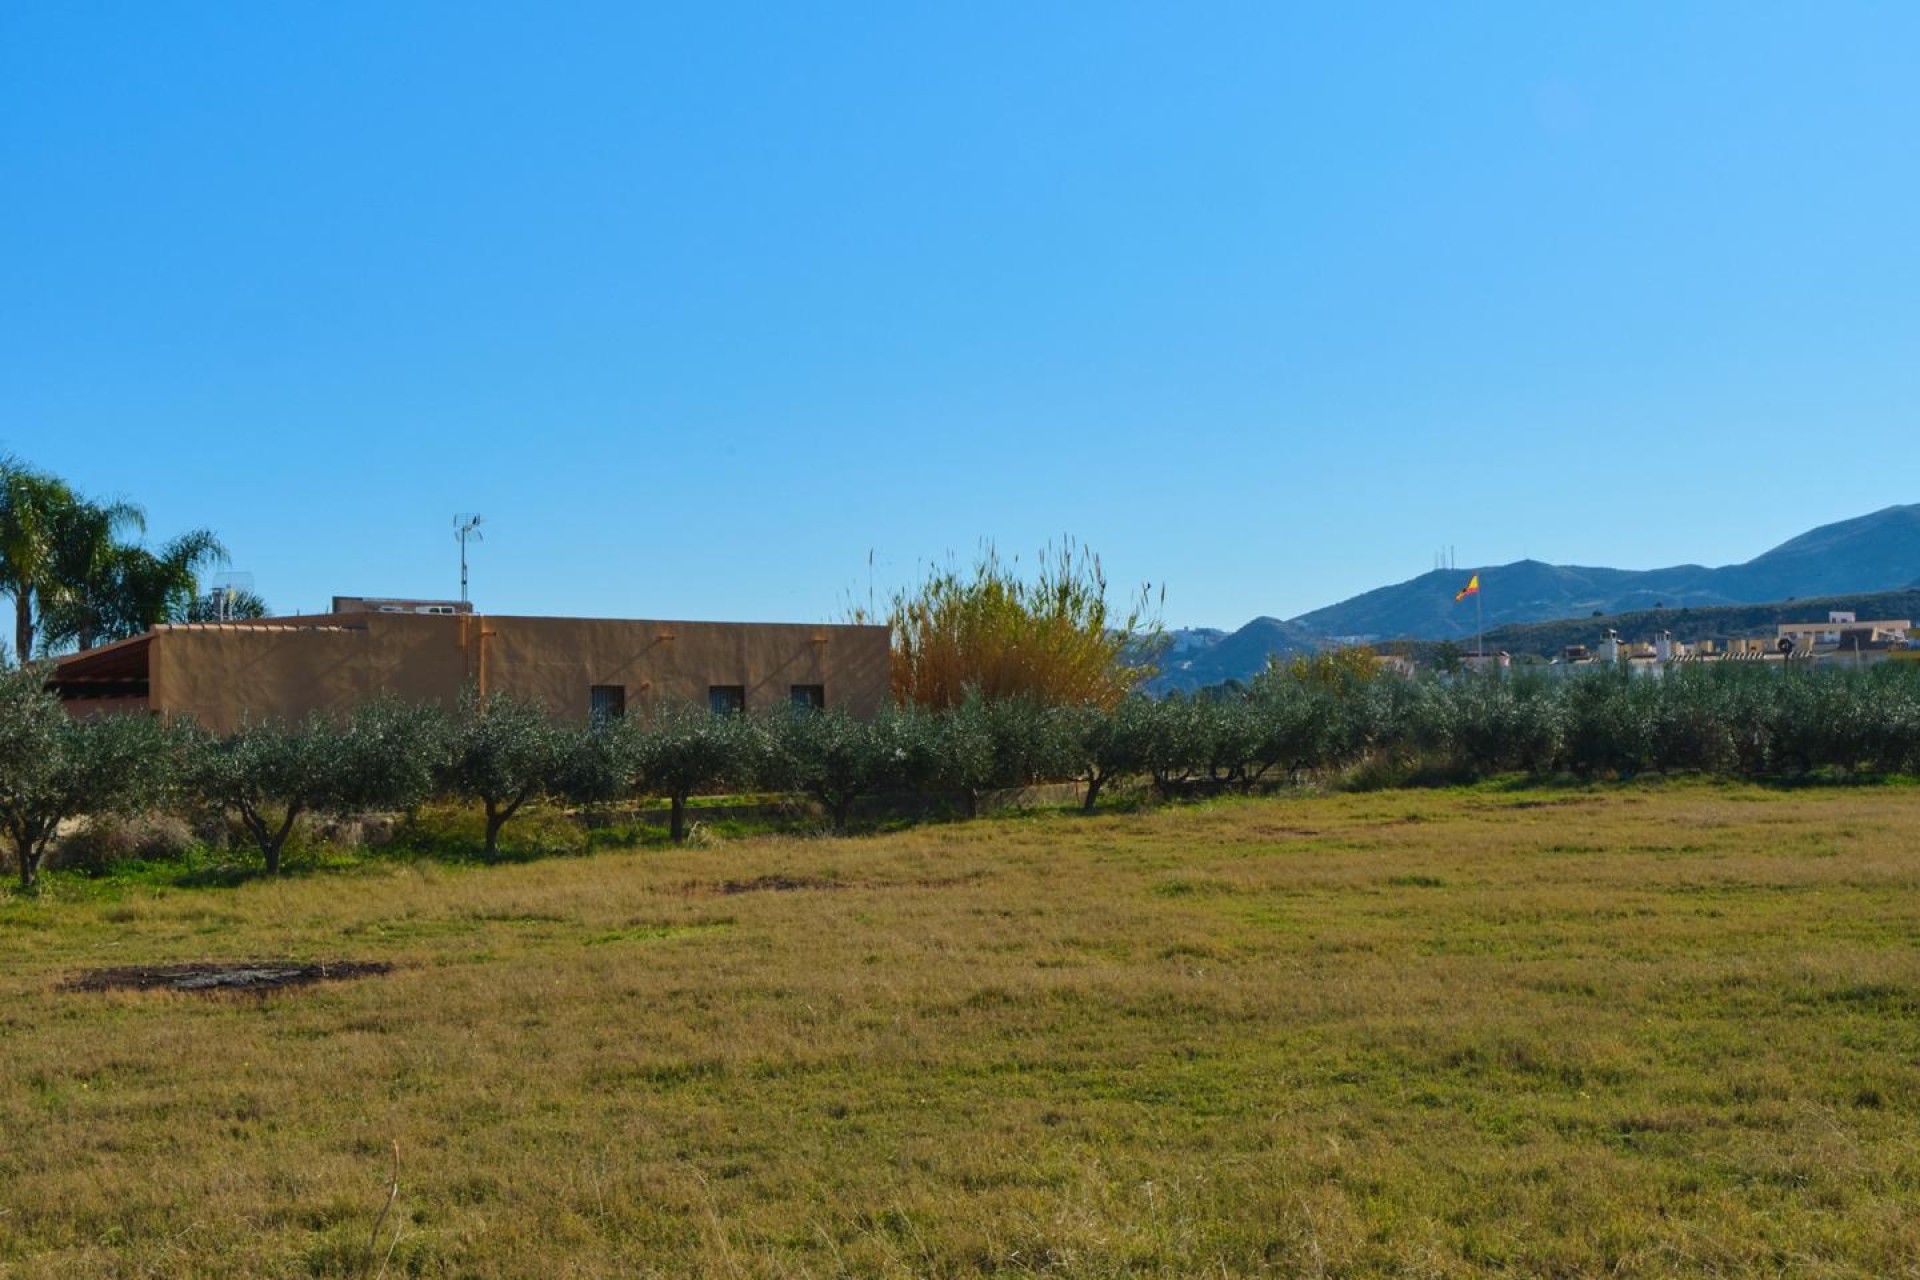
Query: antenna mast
(466, 525)
(225, 595)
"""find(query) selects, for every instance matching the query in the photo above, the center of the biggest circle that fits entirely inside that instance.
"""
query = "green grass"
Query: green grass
(1646, 1031)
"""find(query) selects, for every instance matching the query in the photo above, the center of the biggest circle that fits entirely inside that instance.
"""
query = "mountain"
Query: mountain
(1877, 552)
(1234, 656)
(1871, 553)
(1187, 641)
(1524, 591)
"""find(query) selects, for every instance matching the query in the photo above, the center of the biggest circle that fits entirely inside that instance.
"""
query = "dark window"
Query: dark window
(726, 699)
(606, 703)
(810, 697)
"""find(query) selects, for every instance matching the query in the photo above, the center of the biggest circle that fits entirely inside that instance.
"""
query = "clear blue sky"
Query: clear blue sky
(701, 303)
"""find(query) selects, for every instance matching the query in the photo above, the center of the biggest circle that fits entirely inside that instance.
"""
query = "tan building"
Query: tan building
(224, 674)
(1842, 631)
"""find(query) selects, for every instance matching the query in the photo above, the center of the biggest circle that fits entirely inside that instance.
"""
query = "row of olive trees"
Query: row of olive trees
(1311, 719)
(1325, 717)
(1727, 718)
(497, 754)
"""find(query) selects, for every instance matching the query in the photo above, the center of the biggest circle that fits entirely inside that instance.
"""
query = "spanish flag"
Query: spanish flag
(1471, 589)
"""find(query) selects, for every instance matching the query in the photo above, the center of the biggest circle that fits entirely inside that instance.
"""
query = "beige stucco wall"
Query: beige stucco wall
(555, 660)
(222, 676)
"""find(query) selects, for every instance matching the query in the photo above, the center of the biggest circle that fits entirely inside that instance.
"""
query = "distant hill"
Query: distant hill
(1874, 553)
(1870, 553)
(1523, 591)
(1877, 552)
(1187, 641)
(1234, 656)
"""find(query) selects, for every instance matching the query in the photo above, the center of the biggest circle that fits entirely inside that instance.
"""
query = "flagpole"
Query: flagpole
(1480, 623)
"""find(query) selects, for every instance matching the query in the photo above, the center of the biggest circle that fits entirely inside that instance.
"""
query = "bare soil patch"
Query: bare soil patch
(222, 975)
(776, 884)
(793, 884)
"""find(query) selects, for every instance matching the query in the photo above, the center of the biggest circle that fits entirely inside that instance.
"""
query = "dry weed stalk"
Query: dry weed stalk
(379, 1221)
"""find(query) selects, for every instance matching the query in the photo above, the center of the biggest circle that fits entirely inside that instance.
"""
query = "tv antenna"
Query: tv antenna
(466, 525)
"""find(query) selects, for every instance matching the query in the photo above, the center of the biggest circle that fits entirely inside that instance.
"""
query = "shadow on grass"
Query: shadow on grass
(451, 855)
(455, 845)
(1830, 780)
(451, 844)
(1817, 780)
(216, 869)
(226, 875)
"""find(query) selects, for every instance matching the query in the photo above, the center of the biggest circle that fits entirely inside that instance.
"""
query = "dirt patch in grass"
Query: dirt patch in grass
(217, 975)
(776, 884)
(792, 884)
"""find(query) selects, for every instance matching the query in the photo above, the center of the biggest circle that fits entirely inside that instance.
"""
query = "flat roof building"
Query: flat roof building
(1844, 631)
(225, 674)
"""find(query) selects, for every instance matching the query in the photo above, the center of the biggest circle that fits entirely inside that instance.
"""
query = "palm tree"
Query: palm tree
(82, 579)
(62, 556)
(134, 589)
(36, 511)
(157, 587)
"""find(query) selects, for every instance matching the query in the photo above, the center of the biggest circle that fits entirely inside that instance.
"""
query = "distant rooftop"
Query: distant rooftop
(383, 604)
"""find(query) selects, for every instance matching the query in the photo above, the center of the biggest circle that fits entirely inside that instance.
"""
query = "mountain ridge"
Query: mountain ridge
(1875, 552)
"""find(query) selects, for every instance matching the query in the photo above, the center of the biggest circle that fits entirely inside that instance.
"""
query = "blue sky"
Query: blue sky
(701, 304)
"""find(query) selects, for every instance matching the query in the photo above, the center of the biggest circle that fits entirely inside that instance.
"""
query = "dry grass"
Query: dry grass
(1636, 1032)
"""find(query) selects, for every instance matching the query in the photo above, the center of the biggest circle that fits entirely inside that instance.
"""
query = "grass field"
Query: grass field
(1640, 1031)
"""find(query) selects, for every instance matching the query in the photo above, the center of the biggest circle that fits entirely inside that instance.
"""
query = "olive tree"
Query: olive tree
(1033, 741)
(1176, 741)
(389, 756)
(1108, 744)
(683, 751)
(1893, 721)
(959, 751)
(837, 760)
(54, 767)
(1295, 722)
(266, 775)
(269, 774)
(985, 744)
(503, 753)
(1692, 725)
(1497, 722)
(1227, 741)
(1391, 720)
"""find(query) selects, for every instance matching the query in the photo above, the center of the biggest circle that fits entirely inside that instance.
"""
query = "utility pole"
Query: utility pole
(466, 526)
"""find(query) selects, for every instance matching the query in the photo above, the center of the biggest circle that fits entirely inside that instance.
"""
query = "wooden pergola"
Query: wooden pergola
(112, 677)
